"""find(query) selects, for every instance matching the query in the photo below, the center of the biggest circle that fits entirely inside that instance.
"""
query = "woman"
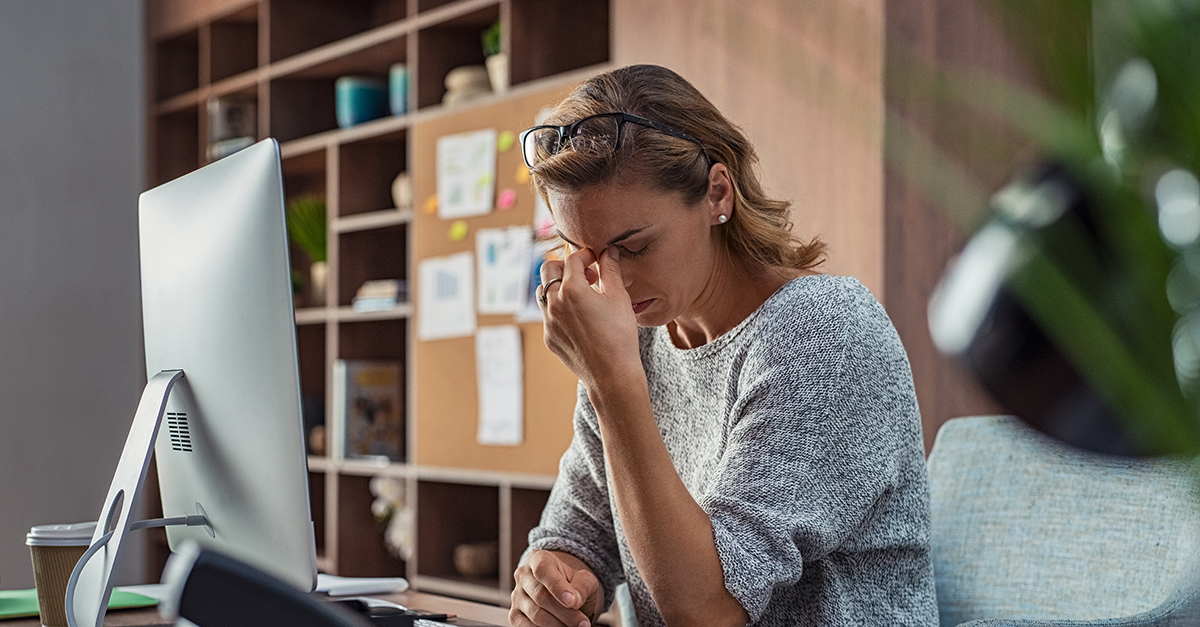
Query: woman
(747, 444)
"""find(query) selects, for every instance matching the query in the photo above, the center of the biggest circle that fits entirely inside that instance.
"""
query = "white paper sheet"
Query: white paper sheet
(446, 306)
(466, 174)
(502, 256)
(500, 379)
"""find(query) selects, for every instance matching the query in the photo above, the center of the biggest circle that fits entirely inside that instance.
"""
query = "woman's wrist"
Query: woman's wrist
(615, 395)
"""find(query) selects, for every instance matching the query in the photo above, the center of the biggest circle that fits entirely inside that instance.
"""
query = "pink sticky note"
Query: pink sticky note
(507, 199)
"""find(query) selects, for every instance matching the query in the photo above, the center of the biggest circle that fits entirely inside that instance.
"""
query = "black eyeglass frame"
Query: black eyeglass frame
(568, 130)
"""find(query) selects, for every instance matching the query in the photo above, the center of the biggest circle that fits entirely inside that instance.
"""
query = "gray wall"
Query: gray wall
(71, 166)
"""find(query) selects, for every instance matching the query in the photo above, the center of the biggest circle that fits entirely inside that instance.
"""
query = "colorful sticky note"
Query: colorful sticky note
(458, 230)
(508, 197)
(431, 204)
(522, 174)
(505, 141)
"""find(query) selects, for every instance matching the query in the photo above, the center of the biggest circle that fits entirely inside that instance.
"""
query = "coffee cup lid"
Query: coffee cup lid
(75, 534)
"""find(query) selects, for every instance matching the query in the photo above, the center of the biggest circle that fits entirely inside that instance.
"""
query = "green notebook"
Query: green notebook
(24, 603)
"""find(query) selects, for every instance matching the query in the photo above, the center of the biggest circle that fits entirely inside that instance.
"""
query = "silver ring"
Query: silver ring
(546, 286)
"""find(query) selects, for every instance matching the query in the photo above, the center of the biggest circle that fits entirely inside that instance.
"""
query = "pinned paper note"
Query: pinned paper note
(446, 305)
(430, 205)
(458, 230)
(505, 141)
(502, 256)
(507, 198)
(499, 376)
(522, 175)
(466, 174)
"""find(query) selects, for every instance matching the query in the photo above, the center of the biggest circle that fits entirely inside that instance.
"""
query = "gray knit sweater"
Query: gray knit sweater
(798, 433)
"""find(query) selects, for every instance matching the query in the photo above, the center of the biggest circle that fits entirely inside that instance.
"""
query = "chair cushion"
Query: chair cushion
(1025, 527)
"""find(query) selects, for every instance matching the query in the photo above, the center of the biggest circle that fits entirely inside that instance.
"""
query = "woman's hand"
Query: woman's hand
(589, 322)
(554, 589)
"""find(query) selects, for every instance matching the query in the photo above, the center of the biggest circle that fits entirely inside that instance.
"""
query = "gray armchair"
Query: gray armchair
(1028, 532)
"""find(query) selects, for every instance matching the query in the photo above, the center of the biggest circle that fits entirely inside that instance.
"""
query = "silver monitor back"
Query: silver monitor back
(217, 304)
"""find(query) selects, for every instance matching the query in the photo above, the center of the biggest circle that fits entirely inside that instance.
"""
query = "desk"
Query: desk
(148, 617)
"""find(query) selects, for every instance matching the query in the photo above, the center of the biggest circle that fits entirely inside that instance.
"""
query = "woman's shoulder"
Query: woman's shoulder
(820, 320)
(820, 303)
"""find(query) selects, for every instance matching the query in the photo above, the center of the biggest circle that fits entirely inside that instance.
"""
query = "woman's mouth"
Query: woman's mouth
(640, 307)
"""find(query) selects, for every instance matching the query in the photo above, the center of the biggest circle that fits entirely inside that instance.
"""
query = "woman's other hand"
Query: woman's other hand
(554, 589)
(589, 320)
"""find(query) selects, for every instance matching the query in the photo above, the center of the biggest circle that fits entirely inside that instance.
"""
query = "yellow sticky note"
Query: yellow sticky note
(458, 231)
(504, 142)
(522, 174)
(431, 204)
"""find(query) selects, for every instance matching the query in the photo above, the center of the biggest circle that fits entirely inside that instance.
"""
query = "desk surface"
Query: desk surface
(148, 617)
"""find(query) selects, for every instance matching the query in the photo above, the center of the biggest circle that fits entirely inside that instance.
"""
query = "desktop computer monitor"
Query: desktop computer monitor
(217, 305)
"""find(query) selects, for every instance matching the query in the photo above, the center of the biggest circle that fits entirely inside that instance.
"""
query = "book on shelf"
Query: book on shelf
(368, 409)
(380, 295)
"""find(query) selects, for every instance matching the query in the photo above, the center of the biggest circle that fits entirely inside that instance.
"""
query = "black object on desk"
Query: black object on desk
(214, 590)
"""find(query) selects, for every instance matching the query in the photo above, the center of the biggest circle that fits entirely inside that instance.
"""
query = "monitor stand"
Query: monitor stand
(90, 585)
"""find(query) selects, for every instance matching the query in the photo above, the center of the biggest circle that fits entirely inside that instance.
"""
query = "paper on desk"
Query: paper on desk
(466, 174)
(336, 586)
(503, 259)
(499, 375)
(446, 302)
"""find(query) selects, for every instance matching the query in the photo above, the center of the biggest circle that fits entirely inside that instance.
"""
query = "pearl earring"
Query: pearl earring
(722, 219)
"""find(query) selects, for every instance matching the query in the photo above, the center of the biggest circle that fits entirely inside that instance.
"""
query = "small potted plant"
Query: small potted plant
(495, 59)
(306, 224)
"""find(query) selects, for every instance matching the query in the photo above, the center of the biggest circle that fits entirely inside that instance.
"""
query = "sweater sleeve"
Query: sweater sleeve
(578, 516)
(819, 427)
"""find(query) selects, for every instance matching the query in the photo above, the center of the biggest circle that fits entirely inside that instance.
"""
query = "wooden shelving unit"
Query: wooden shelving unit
(286, 55)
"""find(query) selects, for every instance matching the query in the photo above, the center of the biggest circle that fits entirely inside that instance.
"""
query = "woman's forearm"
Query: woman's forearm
(669, 535)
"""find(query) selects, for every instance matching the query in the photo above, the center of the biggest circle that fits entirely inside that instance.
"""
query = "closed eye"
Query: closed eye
(625, 252)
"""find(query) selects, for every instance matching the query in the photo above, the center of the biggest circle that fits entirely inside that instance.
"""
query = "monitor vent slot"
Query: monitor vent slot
(181, 436)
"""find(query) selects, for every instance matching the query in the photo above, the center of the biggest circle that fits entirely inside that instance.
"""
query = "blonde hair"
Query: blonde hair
(760, 229)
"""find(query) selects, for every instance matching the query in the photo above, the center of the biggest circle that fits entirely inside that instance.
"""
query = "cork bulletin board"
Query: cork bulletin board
(447, 405)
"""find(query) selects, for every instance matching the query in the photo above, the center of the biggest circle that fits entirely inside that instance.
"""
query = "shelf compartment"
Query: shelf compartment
(233, 46)
(367, 255)
(361, 548)
(448, 515)
(368, 169)
(383, 340)
(301, 25)
(310, 348)
(369, 54)
(301, 107)
(177, 139)
(177, 65)
(444, 46)
(316, 501)
(304, 174)
(373, 339)
(548, 37)
(527, 506)
(303, 100)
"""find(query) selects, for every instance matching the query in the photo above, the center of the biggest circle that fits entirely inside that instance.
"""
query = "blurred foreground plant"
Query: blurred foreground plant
(1099, 247)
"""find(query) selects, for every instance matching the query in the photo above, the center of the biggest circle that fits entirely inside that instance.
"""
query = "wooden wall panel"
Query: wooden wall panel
(804, 80)
(920, 236)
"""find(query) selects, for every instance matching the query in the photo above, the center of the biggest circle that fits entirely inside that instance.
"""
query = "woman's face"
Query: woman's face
(668, 250)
